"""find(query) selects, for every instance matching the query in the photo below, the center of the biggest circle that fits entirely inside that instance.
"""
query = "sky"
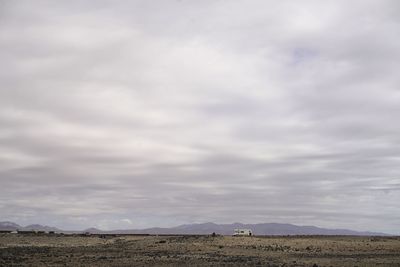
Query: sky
(134, 114)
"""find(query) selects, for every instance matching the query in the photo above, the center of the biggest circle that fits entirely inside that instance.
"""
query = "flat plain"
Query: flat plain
(129, 250)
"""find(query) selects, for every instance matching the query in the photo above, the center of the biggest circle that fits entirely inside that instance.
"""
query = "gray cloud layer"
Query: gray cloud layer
(122, 114)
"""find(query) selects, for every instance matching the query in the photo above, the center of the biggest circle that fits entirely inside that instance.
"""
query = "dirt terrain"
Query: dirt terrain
(69, 250)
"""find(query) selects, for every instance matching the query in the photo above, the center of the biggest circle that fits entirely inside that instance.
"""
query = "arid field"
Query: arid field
(74, 250)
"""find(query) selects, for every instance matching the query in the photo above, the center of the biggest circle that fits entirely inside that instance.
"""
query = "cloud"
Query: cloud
(116, 113)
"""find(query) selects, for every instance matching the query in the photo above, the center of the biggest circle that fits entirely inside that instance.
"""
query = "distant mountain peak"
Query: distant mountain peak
(7, 223)
(92, 230)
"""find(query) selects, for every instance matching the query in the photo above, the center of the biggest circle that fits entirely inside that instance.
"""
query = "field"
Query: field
(75, 250)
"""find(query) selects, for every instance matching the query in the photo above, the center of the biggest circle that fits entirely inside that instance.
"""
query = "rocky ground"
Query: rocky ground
(61, 250)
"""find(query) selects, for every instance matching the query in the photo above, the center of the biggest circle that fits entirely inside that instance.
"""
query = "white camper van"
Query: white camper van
(240, 232)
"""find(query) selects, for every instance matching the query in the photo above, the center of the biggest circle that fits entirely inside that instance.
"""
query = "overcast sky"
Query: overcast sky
(132, 114)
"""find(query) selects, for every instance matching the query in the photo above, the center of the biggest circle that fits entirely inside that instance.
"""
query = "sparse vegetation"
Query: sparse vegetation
(58, 250)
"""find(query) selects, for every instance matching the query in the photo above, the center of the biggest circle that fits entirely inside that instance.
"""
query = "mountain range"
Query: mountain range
(11, 226)
(208, 228)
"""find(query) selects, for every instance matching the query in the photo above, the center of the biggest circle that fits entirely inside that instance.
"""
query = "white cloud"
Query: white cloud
(116, 113)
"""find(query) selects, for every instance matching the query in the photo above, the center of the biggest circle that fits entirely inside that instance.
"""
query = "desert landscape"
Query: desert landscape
(200, 133)
(196, 250)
